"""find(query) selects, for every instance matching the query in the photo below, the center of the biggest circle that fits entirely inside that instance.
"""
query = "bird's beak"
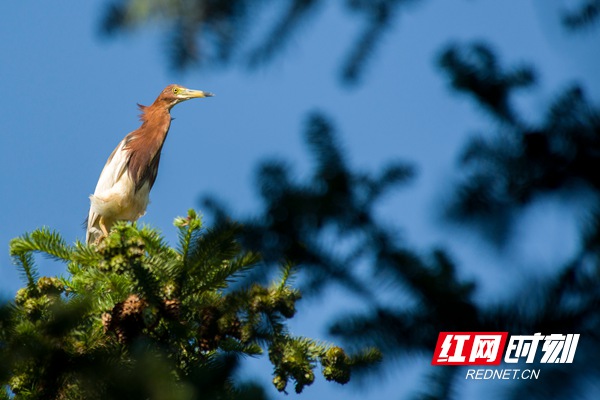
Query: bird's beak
(193, 94)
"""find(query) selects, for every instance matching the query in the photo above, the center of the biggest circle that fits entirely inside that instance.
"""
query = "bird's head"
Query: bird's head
(175, 94)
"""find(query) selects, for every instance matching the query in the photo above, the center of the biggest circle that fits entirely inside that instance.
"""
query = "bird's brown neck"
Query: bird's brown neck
(145, 143)
(156, 120)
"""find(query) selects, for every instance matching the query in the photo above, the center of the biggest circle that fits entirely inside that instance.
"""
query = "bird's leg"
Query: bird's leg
(103, 227)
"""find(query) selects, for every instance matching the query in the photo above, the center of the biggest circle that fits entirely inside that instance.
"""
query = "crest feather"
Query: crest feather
(142, 115)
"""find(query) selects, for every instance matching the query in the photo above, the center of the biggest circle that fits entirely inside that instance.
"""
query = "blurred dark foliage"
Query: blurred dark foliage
(476, 72)
(217, 32)
(582, 16)
(525, 161)
(306, 221)
(516, 166)
(199, 30)
(298, 216)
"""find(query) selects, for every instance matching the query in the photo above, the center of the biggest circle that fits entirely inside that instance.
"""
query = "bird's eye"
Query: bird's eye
(175, 90)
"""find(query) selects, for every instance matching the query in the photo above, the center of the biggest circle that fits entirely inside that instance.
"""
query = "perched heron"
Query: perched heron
(123, 189)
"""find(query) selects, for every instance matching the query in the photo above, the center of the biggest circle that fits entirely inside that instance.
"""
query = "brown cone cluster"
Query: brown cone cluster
(126, 319)
(215, 327)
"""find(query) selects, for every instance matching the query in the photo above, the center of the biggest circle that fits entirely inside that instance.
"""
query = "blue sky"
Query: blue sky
(69, 96)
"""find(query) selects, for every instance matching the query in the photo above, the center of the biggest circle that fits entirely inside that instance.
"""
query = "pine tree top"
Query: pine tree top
(136, 318)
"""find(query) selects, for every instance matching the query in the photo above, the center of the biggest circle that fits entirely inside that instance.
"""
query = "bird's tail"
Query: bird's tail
(94, 232)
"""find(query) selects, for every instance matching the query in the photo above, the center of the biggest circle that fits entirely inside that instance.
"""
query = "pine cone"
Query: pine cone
(208, 333)
(126, 319)
(106, 321)
(234, 328)
(50, 286)
(133, 306)
(172, 308)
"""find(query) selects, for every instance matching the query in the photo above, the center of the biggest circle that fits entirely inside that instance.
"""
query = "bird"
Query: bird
(123, 189)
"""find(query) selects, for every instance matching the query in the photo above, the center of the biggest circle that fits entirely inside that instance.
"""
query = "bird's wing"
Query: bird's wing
(115, 167)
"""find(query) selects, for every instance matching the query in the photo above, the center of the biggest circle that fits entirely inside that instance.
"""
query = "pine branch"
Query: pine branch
(155, 244)
(287, 274)
(220, 275)
(82, 254)
(213, 258)
(26, 265)
(41, 240)
(120, 308)
(189, 230)
(50, 243)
